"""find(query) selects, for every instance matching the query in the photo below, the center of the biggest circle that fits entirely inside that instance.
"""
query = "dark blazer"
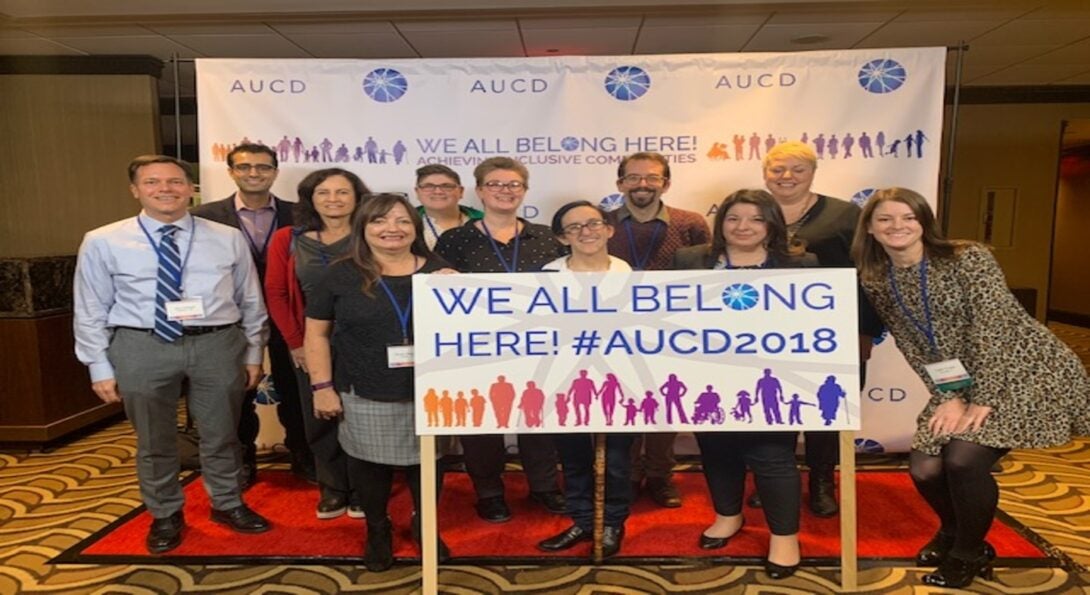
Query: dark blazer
(223, 211)
(700, 257)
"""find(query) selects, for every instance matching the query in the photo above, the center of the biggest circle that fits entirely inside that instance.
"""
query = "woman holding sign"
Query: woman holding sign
(749, 233)
(369, 384)
(503, 242)
(998, 379)
(585, 229)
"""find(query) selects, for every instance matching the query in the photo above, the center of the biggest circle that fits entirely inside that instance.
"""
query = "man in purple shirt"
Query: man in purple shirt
(257, 214)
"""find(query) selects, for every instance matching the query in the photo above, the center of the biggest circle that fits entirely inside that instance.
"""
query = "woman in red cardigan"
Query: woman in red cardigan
(297, 259)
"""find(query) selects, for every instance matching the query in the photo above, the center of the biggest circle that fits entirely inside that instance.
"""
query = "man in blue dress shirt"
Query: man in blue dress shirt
(163, 299)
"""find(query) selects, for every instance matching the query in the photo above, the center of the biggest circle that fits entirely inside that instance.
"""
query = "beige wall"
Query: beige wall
(1070, 283)
(1015, 146)
(67, 140)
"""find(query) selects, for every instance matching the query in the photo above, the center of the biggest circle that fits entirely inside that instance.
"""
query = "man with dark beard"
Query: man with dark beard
(648, 234)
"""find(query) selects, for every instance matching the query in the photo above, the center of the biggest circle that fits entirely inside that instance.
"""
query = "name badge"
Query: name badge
(949, 375)
(185, 309)
(399, 356)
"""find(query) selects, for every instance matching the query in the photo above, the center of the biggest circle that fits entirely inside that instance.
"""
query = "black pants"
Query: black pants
(330, 460)
(577, 459)
(373, 483)
(485, 457)
(288, 411)
(771, 457)
(959, 487)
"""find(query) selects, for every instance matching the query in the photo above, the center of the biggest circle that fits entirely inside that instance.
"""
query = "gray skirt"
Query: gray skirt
(378, 431)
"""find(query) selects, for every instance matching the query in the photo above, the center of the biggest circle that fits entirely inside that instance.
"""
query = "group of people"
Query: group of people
(167, 299)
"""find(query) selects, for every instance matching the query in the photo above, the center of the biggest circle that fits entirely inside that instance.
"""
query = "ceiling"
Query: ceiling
(1011, 42)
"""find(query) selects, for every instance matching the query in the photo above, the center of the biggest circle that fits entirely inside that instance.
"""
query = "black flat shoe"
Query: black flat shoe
(566, 539)
(955, 573)
(777, 572)
(714, 543)
(165, 534)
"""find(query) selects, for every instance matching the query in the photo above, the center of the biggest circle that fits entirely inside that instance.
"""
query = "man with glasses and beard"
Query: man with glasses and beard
(648, 234)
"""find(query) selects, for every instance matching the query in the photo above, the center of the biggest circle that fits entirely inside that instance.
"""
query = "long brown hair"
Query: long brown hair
(776, 243)
(372, 207)
(869, 256)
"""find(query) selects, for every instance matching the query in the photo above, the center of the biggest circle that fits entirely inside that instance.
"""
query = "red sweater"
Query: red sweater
(283, 295)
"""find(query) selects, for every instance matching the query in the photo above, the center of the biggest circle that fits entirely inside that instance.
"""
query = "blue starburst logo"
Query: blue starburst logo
(569, 143)
(860, 198)
(627, 83)
(882, 76)
(740, 296)
(869, 446)
(611, 202)
(385, 85)
(266, 392)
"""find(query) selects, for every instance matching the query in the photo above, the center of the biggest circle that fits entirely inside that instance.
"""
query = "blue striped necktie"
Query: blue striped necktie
(169, 285)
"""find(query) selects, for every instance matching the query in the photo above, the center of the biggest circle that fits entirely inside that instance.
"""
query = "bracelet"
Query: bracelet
(321, 385)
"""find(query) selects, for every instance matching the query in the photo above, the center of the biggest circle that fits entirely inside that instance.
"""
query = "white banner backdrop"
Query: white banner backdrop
(874, 117)
(760, 350)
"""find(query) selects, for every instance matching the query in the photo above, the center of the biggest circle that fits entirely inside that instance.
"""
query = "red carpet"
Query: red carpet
(893, 523)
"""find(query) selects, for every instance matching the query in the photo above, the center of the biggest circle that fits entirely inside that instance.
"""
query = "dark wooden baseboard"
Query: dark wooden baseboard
(1074, 318)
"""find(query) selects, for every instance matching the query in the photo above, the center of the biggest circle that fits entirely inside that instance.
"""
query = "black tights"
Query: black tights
(959, 487)
(373, 483)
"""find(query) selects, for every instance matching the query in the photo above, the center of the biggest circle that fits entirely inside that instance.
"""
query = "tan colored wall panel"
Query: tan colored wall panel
(66, 142)
(1012, 146)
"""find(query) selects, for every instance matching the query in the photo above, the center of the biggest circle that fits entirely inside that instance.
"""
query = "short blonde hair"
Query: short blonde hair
(789, 149)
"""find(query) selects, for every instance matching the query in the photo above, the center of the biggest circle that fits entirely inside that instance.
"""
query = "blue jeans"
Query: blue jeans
(577, 458)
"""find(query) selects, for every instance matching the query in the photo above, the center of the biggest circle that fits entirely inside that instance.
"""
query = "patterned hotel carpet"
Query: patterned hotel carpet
(50, 501)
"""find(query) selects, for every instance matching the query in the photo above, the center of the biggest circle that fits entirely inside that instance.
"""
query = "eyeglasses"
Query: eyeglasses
(652, 180)
(514, 186)
(448, 187)
(245, 168)
(577, 228)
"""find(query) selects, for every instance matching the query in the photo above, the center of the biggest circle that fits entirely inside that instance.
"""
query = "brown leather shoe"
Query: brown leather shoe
(664, 492)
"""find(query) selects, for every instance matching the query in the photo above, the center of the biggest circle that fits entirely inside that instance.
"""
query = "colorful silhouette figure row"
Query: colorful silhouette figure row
(830, 147)
(442, 410)
(323, 152)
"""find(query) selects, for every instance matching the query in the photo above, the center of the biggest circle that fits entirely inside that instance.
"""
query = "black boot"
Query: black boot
(936, 550)
(823, 492)
(955, 573)
(379, 553)
(939, 547)
(444, 551)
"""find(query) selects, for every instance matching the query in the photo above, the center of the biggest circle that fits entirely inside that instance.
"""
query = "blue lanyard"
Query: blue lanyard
(641, 263)
(188, 249)
(250, 238)
(927, 329)
(402, 315)
(434, 232)
(496, 248)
